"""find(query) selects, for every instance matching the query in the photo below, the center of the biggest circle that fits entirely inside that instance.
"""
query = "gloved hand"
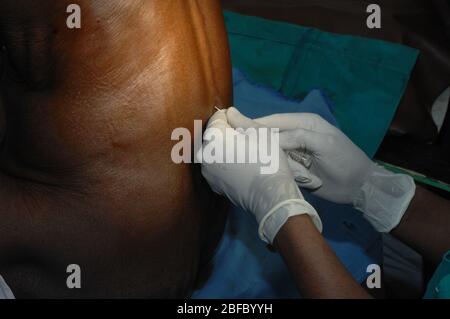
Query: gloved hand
(338, 170)
(272, 198)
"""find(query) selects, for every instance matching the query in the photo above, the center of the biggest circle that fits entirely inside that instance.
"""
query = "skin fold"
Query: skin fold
(87, 116)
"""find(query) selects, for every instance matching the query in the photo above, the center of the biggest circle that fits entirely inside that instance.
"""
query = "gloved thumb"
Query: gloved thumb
(303, 176)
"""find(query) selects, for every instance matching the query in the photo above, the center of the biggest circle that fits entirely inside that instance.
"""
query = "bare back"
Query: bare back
(87, 176)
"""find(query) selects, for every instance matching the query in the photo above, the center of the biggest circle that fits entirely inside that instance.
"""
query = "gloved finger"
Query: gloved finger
(301, 157)
(303, 176)
(308, 141)
(301, 173)
(238, 120)
(219, 120)
(292, 121)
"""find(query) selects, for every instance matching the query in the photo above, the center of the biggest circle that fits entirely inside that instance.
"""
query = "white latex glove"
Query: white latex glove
(272, 199)
(338, 170)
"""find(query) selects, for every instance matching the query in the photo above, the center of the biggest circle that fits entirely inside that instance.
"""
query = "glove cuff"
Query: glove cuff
(275, 219)
(384, 198)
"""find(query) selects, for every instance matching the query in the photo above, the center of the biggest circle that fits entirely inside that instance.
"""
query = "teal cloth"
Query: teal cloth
(364, 78)
(439, 286)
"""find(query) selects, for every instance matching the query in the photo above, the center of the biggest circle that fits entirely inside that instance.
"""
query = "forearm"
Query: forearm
(426, 225)
(316, 269)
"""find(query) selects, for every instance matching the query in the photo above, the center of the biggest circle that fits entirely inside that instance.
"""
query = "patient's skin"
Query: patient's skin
(87, 176)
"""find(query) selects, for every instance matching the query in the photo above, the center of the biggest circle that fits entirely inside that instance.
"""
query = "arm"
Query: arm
(426, 225)
(342, 173)
(317, 271)
(285, 219)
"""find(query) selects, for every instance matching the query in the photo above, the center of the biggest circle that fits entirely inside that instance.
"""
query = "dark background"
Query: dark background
(413, 141)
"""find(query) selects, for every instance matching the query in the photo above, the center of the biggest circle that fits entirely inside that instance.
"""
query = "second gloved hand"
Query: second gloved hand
(338, 170)
(272, 197)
